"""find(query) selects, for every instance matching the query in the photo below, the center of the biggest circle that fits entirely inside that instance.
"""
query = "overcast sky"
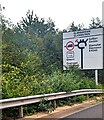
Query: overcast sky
(63, 12)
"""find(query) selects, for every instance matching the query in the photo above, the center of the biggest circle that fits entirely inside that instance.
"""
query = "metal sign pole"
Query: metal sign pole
(96, 77)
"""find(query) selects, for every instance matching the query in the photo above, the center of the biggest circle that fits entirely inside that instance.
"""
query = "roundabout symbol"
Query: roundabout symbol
(70, 46)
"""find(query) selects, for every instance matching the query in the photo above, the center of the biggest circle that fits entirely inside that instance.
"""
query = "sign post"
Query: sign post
(96, 77)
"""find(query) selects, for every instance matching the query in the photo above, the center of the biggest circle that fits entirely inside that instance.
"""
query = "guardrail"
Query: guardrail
(21, 101)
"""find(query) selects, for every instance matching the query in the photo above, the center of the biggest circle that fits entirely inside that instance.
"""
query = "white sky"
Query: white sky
(63, 12)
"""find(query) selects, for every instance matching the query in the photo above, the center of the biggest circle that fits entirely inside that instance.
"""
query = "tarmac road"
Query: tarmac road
(96, 112)
(85, 111)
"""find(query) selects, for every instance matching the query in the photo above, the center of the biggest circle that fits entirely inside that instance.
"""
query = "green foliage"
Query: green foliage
(101, 77)
(10, 112)
(29, 109)
(44, 105)
(65, 101)
(33, 25)
(95, 23)
(100, 86)
(32, 61)
(86, 83)
(74, 27)
(13, 83)
(80, 98)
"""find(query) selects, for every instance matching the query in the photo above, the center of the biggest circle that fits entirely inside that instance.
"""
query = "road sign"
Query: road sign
(83, 48)
(70, 46)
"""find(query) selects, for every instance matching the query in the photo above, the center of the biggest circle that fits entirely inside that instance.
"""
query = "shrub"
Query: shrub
(80, 98)
(44, 105)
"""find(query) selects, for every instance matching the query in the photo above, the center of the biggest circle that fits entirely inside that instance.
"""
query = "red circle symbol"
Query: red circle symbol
(70, 46)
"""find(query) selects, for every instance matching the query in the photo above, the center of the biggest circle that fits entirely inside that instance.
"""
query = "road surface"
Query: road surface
(96, 112)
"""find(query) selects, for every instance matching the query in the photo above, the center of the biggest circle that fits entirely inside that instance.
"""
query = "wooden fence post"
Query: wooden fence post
(21, 111)
(54, 104)
(87, 96)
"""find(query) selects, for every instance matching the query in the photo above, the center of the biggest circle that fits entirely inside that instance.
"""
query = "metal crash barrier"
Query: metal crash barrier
(21, 101)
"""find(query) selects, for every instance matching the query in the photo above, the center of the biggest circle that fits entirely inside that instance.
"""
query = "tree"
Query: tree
(33, 25)
(72, 27)
(39, 36)
(95, 23)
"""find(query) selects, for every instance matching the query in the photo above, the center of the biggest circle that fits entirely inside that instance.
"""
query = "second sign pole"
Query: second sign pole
(96, 77)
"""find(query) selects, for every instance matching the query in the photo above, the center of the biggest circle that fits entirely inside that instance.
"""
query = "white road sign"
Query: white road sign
(83, 48)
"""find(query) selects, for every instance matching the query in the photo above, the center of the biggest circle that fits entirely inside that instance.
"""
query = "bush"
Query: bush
(80, 98)
(29, 109)
(44, 105)
(16, 84)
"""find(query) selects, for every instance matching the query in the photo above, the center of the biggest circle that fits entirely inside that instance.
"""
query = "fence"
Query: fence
(21, 101)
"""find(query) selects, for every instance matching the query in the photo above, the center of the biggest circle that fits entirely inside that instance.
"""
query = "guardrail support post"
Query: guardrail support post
(75, 99)
(87, 96)
(54, 104)
(21, 111)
